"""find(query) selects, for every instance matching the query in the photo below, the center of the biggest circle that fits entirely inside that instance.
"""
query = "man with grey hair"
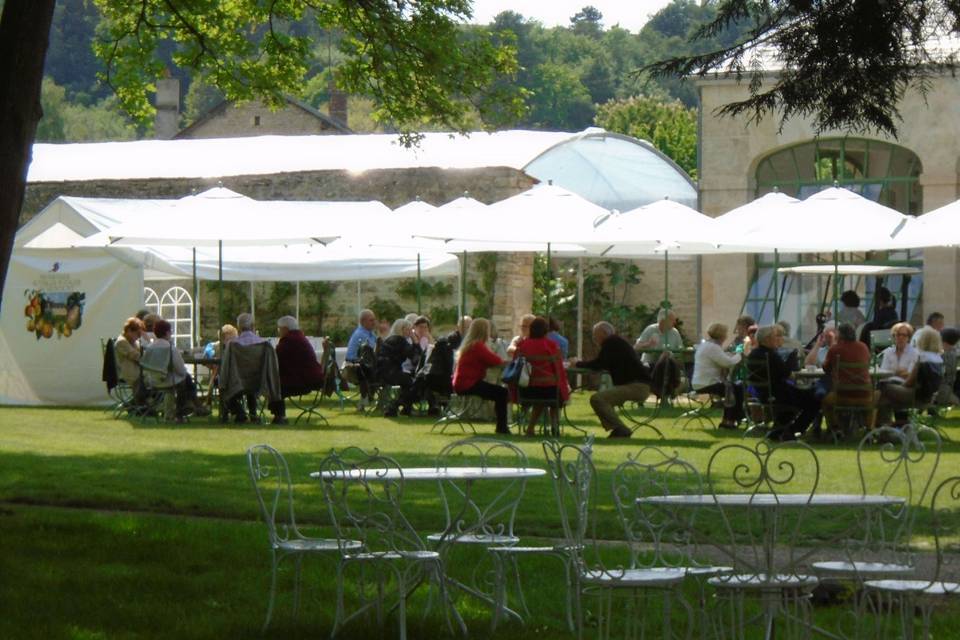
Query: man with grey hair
(363, 334)
(660, 336)
(767, 367)
(355, 371)
(455, 337)
(300, 371)
(631, 378)
(245, 327)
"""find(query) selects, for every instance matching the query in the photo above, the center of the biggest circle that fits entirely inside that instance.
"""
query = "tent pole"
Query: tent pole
(419, 306)
(776, 281)
(298, 302)
(219, 283)
(549, 280)
(196, 294)
(580, 308)
(359, 307)
(253, 303)
(666, 279)
(836, 286)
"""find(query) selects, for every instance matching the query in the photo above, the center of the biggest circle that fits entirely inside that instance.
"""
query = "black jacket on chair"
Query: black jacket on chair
(393, 352)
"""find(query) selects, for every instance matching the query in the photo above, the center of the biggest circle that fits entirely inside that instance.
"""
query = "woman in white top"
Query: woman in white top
(711, 364)
(899, 357)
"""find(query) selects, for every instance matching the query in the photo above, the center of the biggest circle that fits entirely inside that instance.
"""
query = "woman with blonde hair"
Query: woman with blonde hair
(900, 356)
(473, 359)
(394, 351)
(921, 384)
(711, 373)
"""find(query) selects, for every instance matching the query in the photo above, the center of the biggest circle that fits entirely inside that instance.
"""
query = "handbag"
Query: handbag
(514, 370)
(525, 369)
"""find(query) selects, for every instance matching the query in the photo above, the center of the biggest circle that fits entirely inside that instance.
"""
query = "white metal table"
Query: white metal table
(769, 504)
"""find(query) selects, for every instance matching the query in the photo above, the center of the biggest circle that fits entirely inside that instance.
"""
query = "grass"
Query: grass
(115, 529)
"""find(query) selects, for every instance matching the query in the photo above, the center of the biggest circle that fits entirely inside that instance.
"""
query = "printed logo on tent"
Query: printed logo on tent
(48, 311)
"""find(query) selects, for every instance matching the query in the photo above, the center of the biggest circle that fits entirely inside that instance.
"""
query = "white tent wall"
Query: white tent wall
(84, 296)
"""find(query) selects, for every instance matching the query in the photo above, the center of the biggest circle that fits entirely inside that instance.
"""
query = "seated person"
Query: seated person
(184, 388)
(849, 350)
(353, 371)
(789, 343)
(561, 341)
(421, 333)
(631, 378)
(661, 335)
(525, 321)
(455, 337)
(946, 395)
(474, 358)
(816, 356)
(711, 373)
(147, 335)
(214, 351)
(884, 317)
(300, 371)
(850, 312)
(921, 384)
(127, 350)
(548, 378)
(900, 356)
(395, 351)
(935, 322)
(246, 337)
(741, 334)
(765, 356)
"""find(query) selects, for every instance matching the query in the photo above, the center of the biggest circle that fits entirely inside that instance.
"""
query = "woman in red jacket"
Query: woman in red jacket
(474, 358)
(548, 378)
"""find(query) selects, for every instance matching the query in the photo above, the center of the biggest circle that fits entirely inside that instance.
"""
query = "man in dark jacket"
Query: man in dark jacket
(631, 379)
(300, 371)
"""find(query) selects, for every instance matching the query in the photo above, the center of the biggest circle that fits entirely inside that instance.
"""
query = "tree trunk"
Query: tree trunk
(24, 35)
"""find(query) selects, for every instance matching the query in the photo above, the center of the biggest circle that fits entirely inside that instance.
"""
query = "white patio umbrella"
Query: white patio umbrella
(937, 228)
(663, 227)
(830, 221)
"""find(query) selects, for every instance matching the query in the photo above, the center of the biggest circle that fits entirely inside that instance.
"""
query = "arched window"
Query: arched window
(151, 301)
(883, 172)
(176, 307)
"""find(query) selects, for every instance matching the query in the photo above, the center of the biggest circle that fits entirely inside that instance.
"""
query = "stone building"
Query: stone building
(917, 172)
(614, 171)
(233, 120)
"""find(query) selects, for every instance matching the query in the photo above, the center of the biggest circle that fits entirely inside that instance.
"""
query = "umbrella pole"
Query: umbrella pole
(195, 338)
(298, 302)
(419, 309)
(836, 286)
(580, 308)
(219, 283)
(666, 280)
(359, 307)
(776, 281)
(253, 304)
(463, 284)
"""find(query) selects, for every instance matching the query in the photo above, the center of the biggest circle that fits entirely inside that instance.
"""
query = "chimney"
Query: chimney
(338, 103)
(167, 122)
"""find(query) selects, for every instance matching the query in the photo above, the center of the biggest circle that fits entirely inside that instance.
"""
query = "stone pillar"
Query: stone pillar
(167, 122)
(941, 265)
(513, 295)
(338, 103)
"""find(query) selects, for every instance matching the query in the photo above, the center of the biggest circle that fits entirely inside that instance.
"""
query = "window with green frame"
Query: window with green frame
(884, 172)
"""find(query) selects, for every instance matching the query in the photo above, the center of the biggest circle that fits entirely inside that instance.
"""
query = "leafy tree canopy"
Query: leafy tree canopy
(669, 126)
(844, 64)
(413, 59)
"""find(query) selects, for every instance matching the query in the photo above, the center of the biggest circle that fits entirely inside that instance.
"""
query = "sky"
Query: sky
(629, 14)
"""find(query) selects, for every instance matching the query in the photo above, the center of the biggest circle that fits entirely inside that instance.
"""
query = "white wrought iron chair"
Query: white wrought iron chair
(592, 571)
(271, 482)
(662, 536)
(762, 524)
(896, 602)
(485, 520)
(891, 463)
(364, 494)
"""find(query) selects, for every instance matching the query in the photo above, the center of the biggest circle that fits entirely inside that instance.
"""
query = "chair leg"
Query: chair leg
(273, 590)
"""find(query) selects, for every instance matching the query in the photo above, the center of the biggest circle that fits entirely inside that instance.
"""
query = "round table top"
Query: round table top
(446, 473)
(818, 372)
(769, 500)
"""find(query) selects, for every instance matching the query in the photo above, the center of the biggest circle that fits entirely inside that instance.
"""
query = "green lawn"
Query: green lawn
(116, 529)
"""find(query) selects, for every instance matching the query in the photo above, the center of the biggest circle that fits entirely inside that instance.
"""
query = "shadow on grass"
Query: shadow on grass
(203, 424)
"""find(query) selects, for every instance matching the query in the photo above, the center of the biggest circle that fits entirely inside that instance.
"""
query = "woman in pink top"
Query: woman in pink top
(474, 358)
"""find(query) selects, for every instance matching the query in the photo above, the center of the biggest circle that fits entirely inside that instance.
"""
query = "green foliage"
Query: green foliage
(200, 98)
(386, 309)
(443, 316)
(670, 126)
(483, 289)
(236, 300)
(412, 59)
(315, 305)
(407, 289)
(64, 121)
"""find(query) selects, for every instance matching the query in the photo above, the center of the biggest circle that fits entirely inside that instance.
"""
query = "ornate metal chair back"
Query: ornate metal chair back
(270, 477)
(946, 520)
(574, 481)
